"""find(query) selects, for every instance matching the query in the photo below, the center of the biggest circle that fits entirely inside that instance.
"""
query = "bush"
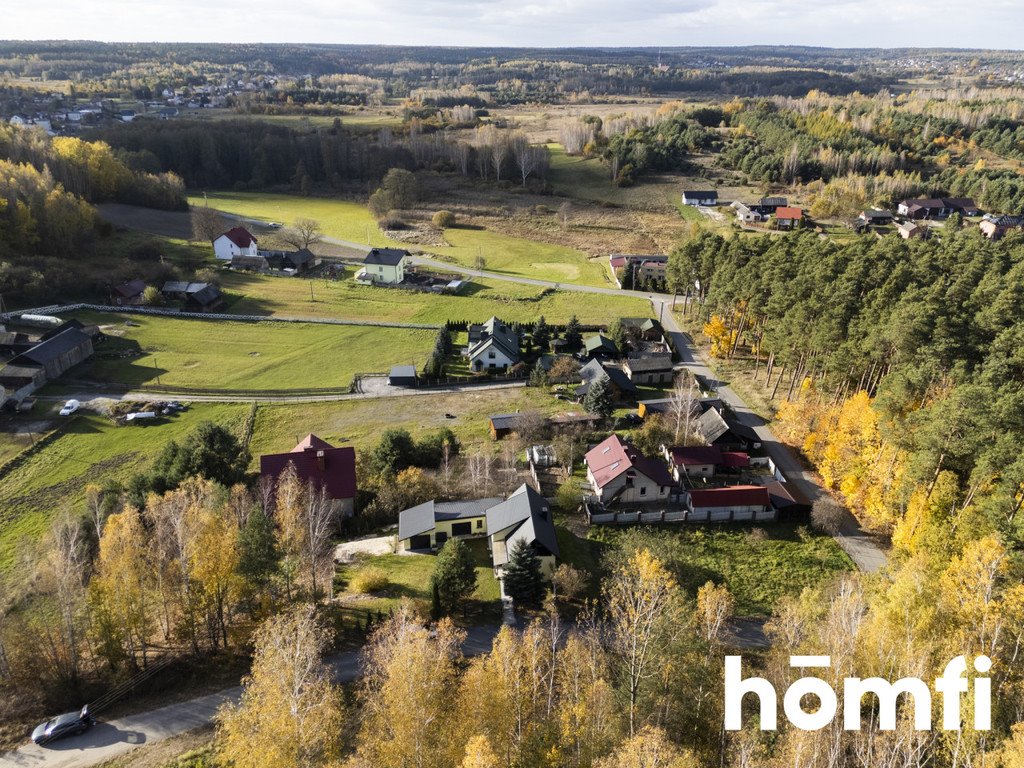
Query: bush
(370, 579)
(392, 222)
(444, 219)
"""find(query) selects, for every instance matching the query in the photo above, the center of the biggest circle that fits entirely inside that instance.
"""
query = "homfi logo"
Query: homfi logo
(951, 686)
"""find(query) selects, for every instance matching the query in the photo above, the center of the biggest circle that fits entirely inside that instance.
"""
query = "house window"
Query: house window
(479, 523)
(490, 355)
(643, 490)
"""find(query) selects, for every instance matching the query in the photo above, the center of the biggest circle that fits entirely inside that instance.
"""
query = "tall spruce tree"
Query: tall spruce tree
(523, 580)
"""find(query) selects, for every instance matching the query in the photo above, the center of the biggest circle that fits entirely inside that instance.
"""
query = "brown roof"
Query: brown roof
(788, 213)
(739, 495)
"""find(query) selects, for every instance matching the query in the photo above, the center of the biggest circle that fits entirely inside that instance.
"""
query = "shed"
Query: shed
(402, 376)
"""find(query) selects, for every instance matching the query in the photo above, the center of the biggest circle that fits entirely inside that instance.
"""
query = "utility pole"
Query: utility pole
(157, 369)
(311, 291)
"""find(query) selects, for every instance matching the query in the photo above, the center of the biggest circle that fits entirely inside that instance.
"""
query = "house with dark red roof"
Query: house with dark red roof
(237, 241)
(320, 464)
(736, 503)
(617, 471)
(702, 460)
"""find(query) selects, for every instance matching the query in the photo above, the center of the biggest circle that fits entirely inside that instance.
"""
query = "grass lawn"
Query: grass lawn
(512, 302)
(250, 356)
(758, 565)
(351, 221)
(93, 450)
(359, 422)
(410, 578)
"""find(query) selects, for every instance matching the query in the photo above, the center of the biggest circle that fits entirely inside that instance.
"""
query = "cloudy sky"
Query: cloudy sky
(840, 23)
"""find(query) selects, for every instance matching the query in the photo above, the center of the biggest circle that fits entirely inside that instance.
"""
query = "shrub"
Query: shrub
(444, 219)
(370, 579)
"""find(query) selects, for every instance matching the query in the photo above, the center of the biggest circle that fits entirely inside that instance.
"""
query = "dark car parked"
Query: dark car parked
(68, 724)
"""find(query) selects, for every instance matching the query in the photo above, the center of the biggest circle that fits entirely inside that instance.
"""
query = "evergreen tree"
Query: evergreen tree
(599, 398)
(454, 577)
(538, 376)
(573, 334)
(523, 580)
(541, 333)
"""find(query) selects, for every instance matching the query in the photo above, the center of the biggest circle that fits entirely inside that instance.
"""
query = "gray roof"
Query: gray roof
(600, 341)
(206, 295)
(714, 423)
(300, 257)
(656, 362)
(500, 335)
(403, 371)
(174, 286)
(49, 350)
(390, 257)
(528, 517)
(781, 202)
(424, 517)
(504, 420)
(594, 370)
(700, 193)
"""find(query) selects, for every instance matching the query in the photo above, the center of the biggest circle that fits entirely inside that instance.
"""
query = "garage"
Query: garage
(462, 529)
(420, 542)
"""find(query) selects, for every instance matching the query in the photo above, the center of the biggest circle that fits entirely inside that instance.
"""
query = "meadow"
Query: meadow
(92, 449)
(343, 298)
(352, 222)
(226, 355)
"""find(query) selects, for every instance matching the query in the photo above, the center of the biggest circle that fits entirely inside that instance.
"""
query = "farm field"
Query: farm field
(512, 302)
(248, 356)
(93, 450)
(359, 423)
(351, 221)
(760, 565)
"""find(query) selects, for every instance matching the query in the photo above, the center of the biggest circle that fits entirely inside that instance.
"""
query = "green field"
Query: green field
(246, 356)
(512, 302)
(758, 565)
(93, 450)
(352, 222)
(410, 578)
(359, 422)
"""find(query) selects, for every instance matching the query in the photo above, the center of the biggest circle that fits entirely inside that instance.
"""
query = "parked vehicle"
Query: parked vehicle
(68, 724)
(70, 407)
(140, 416)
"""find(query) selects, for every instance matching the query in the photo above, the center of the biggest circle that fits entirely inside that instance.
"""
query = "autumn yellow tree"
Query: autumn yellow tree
(722, 338)
(290, 713)
(649, 748)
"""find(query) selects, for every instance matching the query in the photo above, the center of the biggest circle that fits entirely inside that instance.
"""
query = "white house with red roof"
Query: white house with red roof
(617, 471)
(235, 242)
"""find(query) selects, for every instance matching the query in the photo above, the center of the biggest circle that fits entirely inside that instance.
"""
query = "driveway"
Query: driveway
(378, 545)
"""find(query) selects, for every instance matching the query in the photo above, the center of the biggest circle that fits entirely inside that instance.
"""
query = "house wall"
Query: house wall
(385, 273)
(651, 377)
(225, 250)
(55, 368)
(499, 359)
(724, 514)
(642, 489)
(478, 524)
(693, 470)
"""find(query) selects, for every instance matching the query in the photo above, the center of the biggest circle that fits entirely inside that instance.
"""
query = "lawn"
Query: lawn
(359, 422)
(93, 450)
(216, 354)
(352, 222)
(410, 579)
(512, 302)
(758, 565)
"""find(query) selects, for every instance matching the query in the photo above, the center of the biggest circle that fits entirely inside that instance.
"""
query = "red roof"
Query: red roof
(788, 213)
(736, 496)
(696, 455)
(735, 459)
(610, 458)
(318, 462)
(240, 236)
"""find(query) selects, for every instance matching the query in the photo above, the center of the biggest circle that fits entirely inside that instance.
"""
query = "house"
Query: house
(235, 242)
(788, 218)
(718, 427)
(492, 346)
(301, 260)
(431, 524)
(746, 214)
(908, 230)
(384, 265)
(656, 368)
(617, 471)
(525, 516)
(640, 266)
(996, 227)
(600, 347)
(645, 328)
(502, 425)
(736, 503)
(700, 197)
(46, 361)
(767, 206)
(703, 460)
(874, 217)
(621, 387)
(402, 376)
(129, 293)
(206, 299)
(937, 208)
(322, 465)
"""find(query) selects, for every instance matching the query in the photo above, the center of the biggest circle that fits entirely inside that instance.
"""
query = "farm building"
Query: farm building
(997, 227)
(700, 197)
(129, 293)
(502, 425)
(318, 462)
(235, 242)
(61, 349)
(600, 347)
(656, 368)
(622, 388)
(718, 427)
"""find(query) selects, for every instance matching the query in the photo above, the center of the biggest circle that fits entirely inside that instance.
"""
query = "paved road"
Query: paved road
(109, 739)
(862, 548)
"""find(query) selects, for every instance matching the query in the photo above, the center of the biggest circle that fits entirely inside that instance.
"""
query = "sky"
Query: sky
(541, 23)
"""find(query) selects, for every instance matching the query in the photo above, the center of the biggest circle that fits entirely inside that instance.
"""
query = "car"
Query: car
(68, 724)
(70, 407)
(275, 225)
